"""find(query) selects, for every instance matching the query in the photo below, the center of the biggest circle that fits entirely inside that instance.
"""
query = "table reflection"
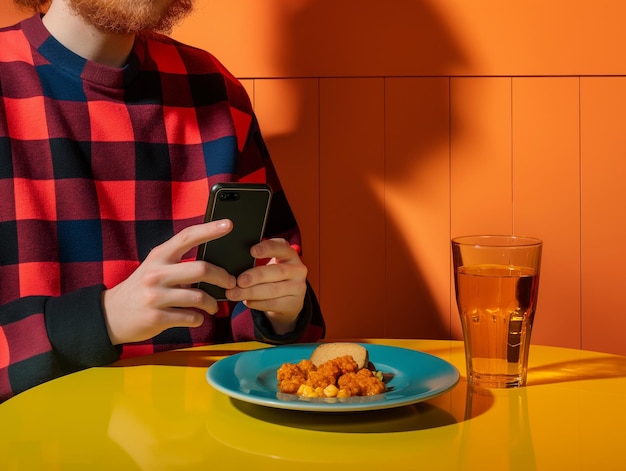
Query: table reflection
(502, 442)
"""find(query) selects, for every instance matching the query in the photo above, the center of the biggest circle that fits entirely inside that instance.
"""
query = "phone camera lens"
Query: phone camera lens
(229, 196)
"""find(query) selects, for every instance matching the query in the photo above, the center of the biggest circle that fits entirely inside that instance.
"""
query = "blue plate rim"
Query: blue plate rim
(443, 377)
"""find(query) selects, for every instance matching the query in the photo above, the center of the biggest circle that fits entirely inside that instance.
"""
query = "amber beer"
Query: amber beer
(497, 306)
(496, 291)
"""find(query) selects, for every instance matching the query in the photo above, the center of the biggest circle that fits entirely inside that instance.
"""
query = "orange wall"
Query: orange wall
(9, 13)
(436, 118)
(396, 129)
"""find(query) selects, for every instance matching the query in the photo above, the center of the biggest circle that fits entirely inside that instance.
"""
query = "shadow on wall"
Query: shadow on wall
(366, 38)
(404, 43)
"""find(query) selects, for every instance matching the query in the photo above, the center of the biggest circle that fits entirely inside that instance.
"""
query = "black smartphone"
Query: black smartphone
(247, 206)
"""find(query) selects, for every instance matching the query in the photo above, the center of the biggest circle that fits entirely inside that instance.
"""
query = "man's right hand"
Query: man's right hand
(157, 295)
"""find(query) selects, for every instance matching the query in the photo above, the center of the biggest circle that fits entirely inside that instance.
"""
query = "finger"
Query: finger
(275, 305)
(274, 248)
(172, 250)
(189, 273)
(272, 273)
(187, 297)
(176, 317)
(266, 291)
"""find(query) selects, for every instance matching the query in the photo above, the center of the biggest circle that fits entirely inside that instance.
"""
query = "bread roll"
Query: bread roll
(329, 351)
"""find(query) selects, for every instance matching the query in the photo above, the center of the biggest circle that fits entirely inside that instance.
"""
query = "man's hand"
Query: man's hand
(277, 288)
(156, 296)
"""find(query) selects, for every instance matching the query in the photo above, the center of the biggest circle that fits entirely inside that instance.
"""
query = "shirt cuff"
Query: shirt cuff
(77, 329)
(265, 332)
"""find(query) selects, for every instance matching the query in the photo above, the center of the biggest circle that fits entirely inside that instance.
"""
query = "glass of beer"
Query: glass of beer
(496, 279)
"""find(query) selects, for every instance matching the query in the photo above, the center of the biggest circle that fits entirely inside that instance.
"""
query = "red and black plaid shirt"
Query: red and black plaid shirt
(98, 166)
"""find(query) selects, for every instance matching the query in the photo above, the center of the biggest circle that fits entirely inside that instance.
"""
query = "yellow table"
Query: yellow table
(159, 413)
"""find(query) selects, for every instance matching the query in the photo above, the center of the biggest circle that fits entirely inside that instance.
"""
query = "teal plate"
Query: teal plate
(411, 377)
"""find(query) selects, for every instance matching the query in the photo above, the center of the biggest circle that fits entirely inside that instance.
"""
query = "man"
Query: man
(111, 135)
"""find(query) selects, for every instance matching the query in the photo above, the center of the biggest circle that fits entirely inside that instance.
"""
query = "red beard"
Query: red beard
(131, 16)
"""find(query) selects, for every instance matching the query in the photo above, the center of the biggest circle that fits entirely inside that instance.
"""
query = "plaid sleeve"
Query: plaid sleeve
(249, 324)
(43, 337)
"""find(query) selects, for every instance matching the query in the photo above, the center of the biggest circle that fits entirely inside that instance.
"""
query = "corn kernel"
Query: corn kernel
(330, 390)
(310, 392)
(343, 393)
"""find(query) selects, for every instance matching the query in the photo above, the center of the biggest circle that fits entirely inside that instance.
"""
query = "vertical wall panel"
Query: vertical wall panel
(288, 113)
(352, 215)
(417, 207)
(481, 155)
(546, 192)
(603, 117)
(480, 177)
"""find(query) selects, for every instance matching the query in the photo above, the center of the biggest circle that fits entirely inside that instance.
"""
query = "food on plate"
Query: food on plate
(334, 370)
(329, 351)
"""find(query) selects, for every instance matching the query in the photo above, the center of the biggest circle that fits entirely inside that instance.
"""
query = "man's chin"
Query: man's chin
(114, 19)
(33, 5)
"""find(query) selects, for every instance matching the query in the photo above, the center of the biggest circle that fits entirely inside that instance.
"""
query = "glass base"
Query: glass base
(496, 381)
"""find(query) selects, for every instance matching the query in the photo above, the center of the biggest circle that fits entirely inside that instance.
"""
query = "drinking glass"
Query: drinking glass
(496, 281)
